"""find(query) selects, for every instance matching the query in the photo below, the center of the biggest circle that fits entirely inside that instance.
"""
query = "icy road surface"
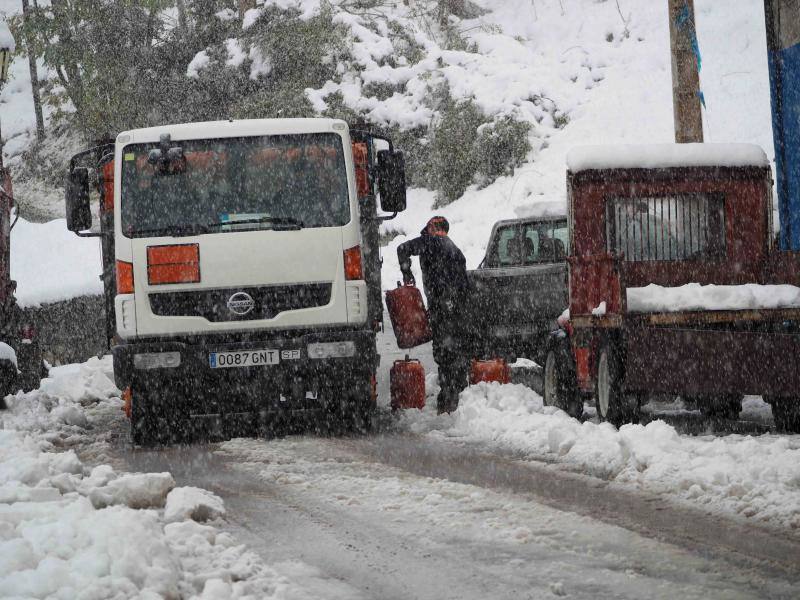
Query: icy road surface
(377, 519)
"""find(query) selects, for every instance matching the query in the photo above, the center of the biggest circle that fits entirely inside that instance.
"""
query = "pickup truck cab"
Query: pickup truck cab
(520, 287)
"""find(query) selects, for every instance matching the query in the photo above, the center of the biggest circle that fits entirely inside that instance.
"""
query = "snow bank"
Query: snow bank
(653, 156)
(50, 263)
(755, 477)
(68, 531)
(693, 296)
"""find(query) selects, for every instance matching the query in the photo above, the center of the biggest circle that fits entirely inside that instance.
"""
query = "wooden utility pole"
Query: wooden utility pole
(685, 73)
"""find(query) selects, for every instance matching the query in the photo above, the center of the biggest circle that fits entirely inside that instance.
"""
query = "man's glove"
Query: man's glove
(408, 278)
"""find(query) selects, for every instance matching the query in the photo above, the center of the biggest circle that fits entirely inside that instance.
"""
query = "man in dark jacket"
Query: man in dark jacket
(444, 275)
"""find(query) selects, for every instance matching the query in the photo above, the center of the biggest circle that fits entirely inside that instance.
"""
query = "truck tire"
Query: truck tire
(351, 407)
(143, 427)
(726, 406)
(560, 387)
(786, 413)
(148, 429)
(613, 404)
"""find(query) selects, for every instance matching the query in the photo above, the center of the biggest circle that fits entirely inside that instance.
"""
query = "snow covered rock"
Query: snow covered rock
(135, 490)
(192, 503)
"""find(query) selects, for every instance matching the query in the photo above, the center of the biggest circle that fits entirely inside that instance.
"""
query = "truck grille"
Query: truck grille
(213, 304)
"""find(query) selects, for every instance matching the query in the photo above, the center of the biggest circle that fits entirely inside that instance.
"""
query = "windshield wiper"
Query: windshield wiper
(172, 230)
(283, 222)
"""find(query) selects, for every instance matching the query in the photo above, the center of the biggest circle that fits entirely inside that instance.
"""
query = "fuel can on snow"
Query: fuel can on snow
(407, 383)
(409, 317)
(496, 369)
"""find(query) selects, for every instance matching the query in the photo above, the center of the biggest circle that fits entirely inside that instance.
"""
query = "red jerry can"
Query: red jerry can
(407, 383)
(409, 317)
(496, 369)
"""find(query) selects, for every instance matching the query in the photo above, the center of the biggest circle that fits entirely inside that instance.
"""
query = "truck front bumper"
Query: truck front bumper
(193, 368)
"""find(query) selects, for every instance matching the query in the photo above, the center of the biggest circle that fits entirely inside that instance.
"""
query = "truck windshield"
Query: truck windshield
(234, 184)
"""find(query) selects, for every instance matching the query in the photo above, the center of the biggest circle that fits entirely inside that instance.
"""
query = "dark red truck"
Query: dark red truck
(676, 285)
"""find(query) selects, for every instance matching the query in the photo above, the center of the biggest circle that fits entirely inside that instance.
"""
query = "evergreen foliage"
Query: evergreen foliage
(122, 65)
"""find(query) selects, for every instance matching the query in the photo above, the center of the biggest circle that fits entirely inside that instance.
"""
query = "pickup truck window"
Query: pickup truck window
(235, 184)
(668, 228)
(524, 244)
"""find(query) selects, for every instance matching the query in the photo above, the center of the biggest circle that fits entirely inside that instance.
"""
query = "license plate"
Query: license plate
(243, 358)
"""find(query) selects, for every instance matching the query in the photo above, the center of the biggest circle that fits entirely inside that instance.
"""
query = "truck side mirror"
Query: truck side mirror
(392, 180)
(79, 213)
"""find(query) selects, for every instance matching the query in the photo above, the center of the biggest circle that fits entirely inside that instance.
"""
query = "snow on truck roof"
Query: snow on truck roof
(653, 156)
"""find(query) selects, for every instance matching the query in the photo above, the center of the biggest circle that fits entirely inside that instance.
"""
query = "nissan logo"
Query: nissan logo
(241, 303)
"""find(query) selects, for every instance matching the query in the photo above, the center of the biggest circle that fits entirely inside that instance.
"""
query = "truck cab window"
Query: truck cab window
(507, 248)
(545, 242)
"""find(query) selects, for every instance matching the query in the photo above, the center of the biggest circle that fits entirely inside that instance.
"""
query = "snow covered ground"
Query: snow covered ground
(68, 530)
(753, 477)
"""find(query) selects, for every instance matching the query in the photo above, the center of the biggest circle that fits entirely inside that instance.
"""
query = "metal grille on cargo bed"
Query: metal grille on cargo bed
(213, 304)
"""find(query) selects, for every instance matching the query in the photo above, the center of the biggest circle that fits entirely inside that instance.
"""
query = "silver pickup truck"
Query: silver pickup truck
(520, 287)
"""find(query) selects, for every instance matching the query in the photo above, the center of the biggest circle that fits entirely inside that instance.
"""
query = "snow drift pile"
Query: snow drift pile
(754, 477)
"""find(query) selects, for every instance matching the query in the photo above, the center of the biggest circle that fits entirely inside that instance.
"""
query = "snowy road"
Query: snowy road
(415, 512)
(376, 518)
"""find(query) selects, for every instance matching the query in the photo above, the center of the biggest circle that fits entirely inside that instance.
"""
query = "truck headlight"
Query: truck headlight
(331, 350)
(157, 360)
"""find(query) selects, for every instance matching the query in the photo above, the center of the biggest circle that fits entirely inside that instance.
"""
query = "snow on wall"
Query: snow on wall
(50, 263)
(584, 158)
(693, 296)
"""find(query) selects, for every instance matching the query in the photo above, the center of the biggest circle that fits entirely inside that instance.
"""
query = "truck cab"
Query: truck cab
(245, 263)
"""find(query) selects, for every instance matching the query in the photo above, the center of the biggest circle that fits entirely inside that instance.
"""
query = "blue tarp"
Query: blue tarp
(783, 38)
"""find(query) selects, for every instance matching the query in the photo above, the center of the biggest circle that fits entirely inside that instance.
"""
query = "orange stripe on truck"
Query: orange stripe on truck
(173, 264)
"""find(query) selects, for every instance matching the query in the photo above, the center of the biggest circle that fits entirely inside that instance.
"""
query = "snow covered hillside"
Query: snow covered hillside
(580, 72)
(610, 75)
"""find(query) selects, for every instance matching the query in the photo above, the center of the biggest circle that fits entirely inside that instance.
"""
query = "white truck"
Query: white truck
(242, 270)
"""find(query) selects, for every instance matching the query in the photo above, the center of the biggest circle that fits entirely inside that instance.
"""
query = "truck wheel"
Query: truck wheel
(613, 405)
(354, 408)
(560, 388)
(146, 429)
(143, 428)
(786, 413)
(722, 407)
